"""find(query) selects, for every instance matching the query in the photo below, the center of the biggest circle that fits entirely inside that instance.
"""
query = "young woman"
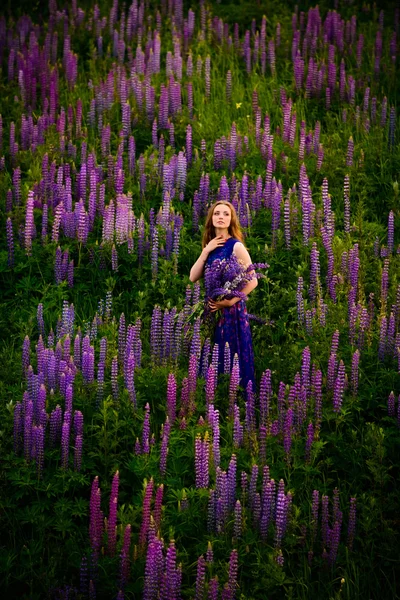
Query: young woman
(222, 237)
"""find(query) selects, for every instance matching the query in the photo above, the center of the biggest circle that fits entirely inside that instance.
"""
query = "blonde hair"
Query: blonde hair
(234, 228)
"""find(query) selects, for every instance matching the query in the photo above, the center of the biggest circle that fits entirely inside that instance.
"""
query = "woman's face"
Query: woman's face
(222, 216)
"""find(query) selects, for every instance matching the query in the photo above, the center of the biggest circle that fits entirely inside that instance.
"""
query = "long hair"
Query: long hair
(234, 228)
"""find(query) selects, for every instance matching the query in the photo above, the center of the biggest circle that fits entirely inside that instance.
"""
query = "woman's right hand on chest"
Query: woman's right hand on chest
(214, 243)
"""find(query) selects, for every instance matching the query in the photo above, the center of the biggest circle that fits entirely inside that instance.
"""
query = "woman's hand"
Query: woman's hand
(214, 243)
(218, 304)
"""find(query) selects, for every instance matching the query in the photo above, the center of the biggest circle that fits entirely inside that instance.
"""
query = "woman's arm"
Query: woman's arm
(197, 270)
(244, 257)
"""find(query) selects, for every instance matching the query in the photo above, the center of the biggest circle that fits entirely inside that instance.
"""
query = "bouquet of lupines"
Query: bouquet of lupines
(225, 279)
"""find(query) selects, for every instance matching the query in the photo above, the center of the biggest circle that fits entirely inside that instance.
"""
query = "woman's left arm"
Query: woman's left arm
(244, 257)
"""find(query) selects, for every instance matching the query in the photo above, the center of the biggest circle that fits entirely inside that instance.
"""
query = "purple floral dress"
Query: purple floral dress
(233, 326)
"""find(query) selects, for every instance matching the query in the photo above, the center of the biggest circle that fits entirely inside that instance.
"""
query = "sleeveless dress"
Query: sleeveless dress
(233, 326)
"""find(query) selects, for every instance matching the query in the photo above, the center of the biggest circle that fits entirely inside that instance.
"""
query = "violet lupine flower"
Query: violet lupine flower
(305, 369)
(202, 450)
(391, 405)
(29, 223)
(250, 415)
(382, 338)
(351, 530)
(309, 441)
(211, 384)
(253, 485)
(171, 397)
(287, 432)
(38, 445)
(125, 561)
(325, 520)
(55, 426)
(300, 301)
(350, 152)
(338, 390)
(392, 126)
(200, 578)
(227, 358)
(314, 515)
(10, 243)
(233, 573)
(96, 518)
(237, 527)
(213, 589)
(315, 284)
(334, 540)
(146, 430)
(158, 506)
(112, 515)
(114, 377)
(192, 379)
(154, 569)
(390, 231)
(65, 433)
(216, 439)
(385, 282)
(26, 355)
(18, 427)
(148, 494)
(354, 372)
(164, 447)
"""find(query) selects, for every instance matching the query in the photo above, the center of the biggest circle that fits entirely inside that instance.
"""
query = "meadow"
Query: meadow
(129, 469)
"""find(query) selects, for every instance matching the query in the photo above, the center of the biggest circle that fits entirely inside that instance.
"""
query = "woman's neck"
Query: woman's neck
(224, 232)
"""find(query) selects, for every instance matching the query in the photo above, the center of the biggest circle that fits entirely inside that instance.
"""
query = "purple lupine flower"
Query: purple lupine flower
(171, 397)
(338, 390)
(148, 494)
(346, 194)
(55, 426)
(28, 421)
(39, 447)
(334, 540)
(164, 447)
(112, 516)
(216, 439)
(96, 518)
(26, 355)
(125, 561)
(211, 383)
(200, 578)
(158, 506)
(237, 527)
(287, 432)
(10, 242)
(309, 441)
(391, 405)
(18, 427)
(78, 452)
(29, 223)
(354, 372)
(352, 523)
(201, 461)
(314, 515)
(253, 485)
(65, 432)
(146, 430)
(233, 573)
(382, 338)
(390, 231)
(233, 386)
(350, 152)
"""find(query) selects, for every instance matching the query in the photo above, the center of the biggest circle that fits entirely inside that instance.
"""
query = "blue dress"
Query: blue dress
(233, 326)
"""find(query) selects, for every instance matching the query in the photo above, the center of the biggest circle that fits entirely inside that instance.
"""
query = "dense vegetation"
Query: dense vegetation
(128, 470)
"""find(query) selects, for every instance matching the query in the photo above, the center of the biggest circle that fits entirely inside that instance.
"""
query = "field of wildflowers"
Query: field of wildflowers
(129, 468)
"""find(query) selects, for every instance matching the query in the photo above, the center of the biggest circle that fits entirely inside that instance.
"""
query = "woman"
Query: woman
(222, 237)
